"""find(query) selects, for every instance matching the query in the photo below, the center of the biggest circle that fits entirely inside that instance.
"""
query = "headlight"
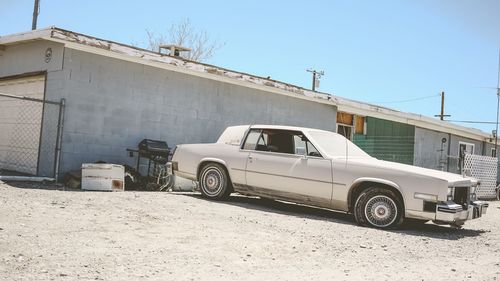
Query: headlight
(426, 197)
(451, 191)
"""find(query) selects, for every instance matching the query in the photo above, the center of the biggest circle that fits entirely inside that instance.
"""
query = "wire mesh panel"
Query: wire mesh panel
(48, 140)
(20, 123)
(483, 168)
(29, 132)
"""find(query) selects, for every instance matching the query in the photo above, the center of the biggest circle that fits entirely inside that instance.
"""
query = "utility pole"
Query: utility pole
(316, 76)
(36, 11)
(498, 105)
(442, 115)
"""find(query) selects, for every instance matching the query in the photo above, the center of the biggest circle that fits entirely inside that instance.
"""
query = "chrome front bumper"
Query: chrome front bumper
(451, 212)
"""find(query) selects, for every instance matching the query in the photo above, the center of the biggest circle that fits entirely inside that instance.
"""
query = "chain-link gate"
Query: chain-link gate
(483, 168)
(30, 136)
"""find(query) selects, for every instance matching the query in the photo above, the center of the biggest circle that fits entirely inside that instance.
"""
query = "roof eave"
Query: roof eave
(11, 39)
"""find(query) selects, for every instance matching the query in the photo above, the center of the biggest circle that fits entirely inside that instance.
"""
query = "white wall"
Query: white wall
(113, 104)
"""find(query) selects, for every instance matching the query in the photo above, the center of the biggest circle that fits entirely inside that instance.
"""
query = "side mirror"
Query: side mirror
(301, 151)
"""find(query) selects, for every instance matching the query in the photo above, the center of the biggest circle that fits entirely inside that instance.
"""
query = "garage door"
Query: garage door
(20, 124)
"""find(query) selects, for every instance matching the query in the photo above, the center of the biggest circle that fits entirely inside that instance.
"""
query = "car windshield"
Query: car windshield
(335, 145)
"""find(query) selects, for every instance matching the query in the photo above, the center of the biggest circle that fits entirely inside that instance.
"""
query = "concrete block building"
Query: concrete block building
(116, 95)
(68, 98)
(410, 138)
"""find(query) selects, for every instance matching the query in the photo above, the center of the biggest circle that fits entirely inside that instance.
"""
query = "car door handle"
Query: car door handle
(250, 157)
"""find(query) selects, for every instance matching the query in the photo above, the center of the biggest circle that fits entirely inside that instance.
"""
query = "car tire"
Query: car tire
(214, 182)
(378, 207)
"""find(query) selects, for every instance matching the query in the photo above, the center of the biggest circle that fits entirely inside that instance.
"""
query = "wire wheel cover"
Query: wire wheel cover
(381, 211)
(212, 181)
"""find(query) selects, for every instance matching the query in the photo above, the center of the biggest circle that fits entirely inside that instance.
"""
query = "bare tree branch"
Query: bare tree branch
(183, 34)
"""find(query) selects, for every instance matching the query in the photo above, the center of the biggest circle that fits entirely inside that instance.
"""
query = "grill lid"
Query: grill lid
(153, 147)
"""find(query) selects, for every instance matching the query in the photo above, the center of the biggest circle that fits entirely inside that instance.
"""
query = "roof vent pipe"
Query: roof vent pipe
(173, 50)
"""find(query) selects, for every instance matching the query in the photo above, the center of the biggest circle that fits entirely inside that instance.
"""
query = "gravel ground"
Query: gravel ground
(50, 234)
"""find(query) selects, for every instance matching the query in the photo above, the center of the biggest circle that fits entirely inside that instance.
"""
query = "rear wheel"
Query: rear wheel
(378, 207)
(214, 182)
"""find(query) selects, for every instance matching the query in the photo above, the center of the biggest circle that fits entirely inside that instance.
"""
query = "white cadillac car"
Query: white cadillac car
(324, 169)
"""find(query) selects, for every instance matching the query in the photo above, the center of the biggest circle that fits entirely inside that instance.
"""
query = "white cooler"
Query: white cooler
(103, 177)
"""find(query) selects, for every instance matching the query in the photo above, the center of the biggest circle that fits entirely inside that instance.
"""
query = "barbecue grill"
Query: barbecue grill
(155, 151)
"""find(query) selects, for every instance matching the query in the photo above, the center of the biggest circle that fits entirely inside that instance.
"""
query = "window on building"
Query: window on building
(493, 152)
(347, 124)
(465, 148)
(344, 130)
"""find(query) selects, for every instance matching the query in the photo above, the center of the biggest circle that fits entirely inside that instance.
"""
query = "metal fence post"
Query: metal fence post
(60, 125)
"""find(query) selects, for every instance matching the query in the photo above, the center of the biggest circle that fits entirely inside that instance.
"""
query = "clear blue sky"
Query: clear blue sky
(373, 51)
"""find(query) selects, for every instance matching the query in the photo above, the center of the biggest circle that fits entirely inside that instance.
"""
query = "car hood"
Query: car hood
(452, 179)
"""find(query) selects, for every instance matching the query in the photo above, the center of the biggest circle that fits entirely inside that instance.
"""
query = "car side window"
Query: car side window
(312, 151)
(301, 141)
(262, 142)
(252, 138)
(279, 141)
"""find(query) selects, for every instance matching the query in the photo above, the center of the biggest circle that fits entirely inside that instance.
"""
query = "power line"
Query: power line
(408, 100)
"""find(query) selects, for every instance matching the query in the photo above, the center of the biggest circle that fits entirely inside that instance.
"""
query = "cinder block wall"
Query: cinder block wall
(428, 146)
(112, 104)
(428, 150)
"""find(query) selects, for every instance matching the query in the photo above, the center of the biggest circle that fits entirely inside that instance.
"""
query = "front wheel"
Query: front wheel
(378, 207)
(214, 182)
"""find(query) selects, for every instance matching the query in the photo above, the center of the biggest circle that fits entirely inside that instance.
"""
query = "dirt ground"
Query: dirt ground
(51, 234)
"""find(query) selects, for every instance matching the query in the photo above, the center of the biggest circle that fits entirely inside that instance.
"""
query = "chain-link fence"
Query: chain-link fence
(30, 135)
